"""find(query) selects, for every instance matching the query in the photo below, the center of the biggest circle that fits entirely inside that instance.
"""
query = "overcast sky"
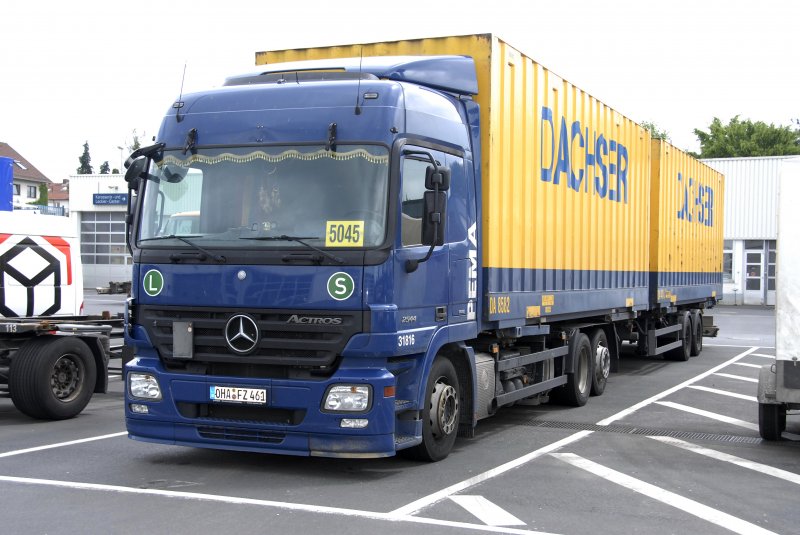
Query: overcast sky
(94, 71)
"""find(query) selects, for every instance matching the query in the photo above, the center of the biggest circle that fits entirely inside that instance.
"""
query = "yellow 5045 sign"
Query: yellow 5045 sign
(344, 234)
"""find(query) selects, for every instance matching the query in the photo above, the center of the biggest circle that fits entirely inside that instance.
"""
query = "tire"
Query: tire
(602, 362)
(579, 383)
(683, 352)
(697, 334)
(52, 377)
(771, 420)
(440, 415)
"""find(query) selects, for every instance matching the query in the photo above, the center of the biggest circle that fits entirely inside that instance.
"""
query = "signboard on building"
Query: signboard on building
(110, 198)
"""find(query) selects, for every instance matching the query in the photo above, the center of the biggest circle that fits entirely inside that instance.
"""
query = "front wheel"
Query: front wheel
(52, 377)
(440, 415)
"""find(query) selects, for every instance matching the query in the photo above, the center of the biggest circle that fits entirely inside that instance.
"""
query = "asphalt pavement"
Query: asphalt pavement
(671, 447)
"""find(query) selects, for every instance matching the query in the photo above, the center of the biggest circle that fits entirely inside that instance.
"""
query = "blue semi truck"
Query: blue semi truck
(357, 275)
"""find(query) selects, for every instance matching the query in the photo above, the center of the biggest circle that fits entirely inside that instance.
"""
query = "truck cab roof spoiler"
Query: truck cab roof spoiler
(449, 73)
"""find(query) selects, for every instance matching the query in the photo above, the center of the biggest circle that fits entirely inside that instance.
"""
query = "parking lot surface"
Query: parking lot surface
(671, 447)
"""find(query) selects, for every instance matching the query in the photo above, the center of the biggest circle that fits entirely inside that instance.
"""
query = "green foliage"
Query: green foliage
(85, 161)
(105, 168)
(43, 196)
(135, 144)
(747, 138)
(655, 131)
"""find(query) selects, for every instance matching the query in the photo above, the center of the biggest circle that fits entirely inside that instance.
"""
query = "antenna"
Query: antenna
(358, 90)
(179, 103)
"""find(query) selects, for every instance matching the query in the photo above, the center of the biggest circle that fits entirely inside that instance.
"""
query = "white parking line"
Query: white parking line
(692, 507)
(267, 503)
(738, 461)
(486, 511)
(737, 377)
(630, 410)
(763, 355)
(706, 344)
(708, 414)
(723, 392)
(747, 365)
(431, 499)
(62, 444)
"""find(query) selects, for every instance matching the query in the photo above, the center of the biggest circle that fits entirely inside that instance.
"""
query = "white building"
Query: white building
(750, 228)
(97, 205)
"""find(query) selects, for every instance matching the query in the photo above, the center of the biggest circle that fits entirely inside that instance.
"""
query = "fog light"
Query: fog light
(138, 408)
(347, 398)
(354, 423)
(143, 386)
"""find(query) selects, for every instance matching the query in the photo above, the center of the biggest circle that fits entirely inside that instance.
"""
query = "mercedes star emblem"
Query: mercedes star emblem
(241, 333)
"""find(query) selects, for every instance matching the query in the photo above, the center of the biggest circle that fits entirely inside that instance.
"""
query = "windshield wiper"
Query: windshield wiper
(298, 239)
(175, 257)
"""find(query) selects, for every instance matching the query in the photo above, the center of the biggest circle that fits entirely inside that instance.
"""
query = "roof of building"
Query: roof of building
(23, 169)
(58, 192)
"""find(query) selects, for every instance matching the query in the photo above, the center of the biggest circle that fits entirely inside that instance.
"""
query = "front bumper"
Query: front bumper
(292, 421)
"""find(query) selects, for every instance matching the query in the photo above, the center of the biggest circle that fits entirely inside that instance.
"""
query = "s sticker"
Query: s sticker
(340, 286)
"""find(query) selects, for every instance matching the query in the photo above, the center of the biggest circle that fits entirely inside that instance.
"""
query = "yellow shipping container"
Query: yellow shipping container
(685, 227)
(565, 185)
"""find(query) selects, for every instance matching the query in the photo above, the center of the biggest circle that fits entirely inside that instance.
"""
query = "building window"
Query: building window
(31, 192)
(103, 239)
(727, 261)
(16, 189)
(771, 258)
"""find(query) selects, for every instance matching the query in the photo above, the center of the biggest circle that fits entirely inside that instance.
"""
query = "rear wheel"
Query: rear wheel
(579, 382)
(440, 414)
(771, 420)
(697, 333)
(52, 377)
(602, 362)
(684, 351)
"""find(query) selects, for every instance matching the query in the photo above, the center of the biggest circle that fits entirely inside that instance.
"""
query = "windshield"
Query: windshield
(250, 197)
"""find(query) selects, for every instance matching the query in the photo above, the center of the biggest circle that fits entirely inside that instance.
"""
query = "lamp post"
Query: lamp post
(120, 158)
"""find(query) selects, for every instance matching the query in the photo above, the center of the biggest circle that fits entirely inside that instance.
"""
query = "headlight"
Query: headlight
(143, 386)
(347, 398)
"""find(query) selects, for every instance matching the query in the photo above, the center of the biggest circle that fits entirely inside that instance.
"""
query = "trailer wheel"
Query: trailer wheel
(579, 383)
(602, 362)
(683, 352)
(697, 333)
(440, 414)
(52, 377)
(771, 420)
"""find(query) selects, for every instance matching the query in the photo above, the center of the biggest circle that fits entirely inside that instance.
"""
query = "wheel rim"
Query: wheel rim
(65, 381)
(444, 409)
(602, 362)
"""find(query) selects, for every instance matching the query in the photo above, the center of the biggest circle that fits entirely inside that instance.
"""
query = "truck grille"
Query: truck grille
(281, 342)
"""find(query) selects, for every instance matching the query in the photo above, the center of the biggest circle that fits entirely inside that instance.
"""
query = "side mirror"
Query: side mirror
(433, 218)
(440, 176)
(135, 173)
(174, 173)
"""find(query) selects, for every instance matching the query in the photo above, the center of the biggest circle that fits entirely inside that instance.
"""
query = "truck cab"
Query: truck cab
(332, 256)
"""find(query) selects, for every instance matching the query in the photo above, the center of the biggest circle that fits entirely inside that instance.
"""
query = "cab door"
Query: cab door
(423, 294)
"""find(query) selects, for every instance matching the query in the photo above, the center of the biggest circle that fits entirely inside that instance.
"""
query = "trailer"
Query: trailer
(779, 382)
(392, 241)
(53, 358)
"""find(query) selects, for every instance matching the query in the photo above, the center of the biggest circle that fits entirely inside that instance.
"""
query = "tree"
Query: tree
(747, 138)
(105, 168)
(43, 196)
(135, 144)
(655, 131)
(86, 161)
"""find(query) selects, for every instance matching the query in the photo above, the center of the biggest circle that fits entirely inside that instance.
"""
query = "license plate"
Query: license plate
(235, 394)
